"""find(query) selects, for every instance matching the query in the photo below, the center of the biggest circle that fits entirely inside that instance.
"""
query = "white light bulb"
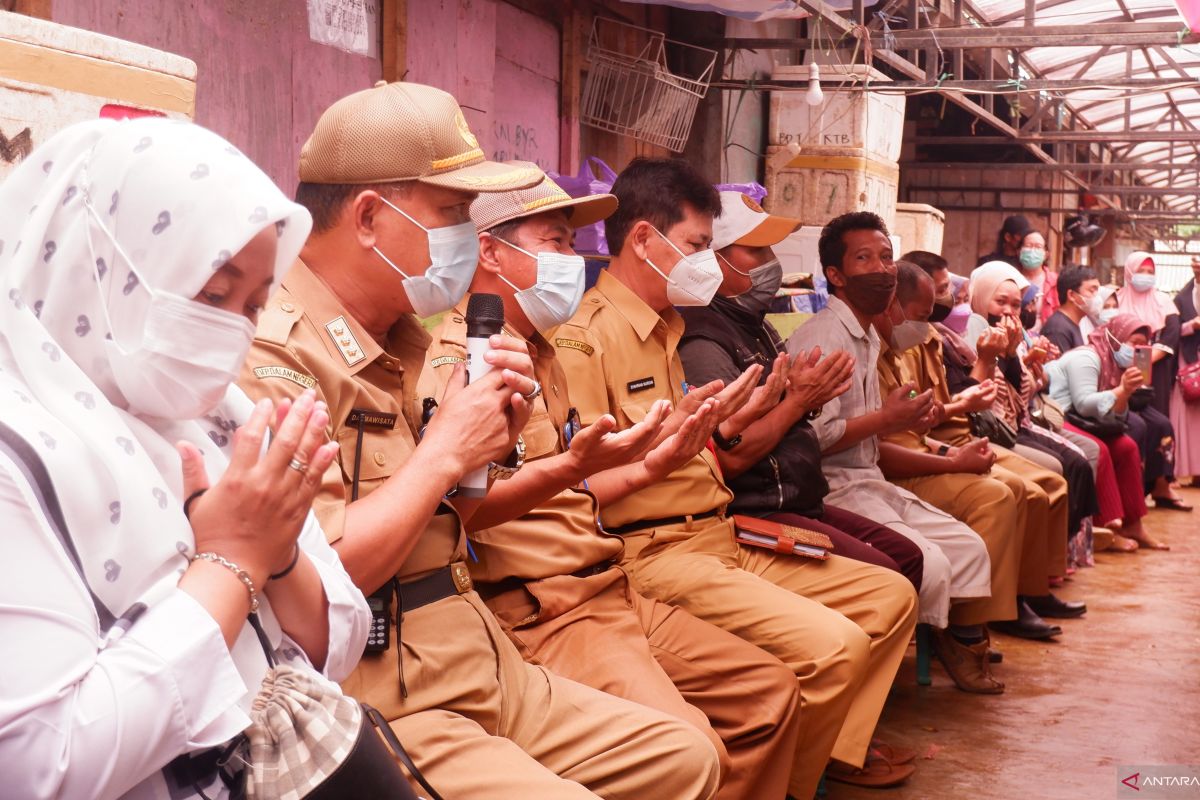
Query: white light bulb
(814, 96)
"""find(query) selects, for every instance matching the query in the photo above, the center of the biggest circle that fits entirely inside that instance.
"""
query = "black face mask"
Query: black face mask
(993, 319)
(870, 293)
(1028, 318)
(940, 312)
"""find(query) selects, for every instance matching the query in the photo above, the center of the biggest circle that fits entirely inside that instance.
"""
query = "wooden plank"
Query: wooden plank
(573, 50)
(393, 50)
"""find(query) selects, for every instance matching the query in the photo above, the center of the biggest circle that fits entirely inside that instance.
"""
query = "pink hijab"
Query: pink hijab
(1150, 307)
(1122, 326)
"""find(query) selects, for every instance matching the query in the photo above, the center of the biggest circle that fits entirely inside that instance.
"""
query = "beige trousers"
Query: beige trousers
(841, 626)
(479, 722)
(661, 656)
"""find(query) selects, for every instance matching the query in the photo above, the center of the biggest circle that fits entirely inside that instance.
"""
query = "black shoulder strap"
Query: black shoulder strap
(38, 477)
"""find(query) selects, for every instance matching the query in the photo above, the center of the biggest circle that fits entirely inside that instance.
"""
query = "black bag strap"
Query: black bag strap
(398, 749)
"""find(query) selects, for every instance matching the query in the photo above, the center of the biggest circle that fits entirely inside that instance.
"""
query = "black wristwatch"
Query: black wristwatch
(723, 443)
(943, 450)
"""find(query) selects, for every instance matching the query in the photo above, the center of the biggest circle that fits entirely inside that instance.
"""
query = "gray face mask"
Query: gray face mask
(765, 281)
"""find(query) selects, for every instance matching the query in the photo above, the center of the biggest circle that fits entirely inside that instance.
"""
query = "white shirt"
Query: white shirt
(836, 328)
(80, 718)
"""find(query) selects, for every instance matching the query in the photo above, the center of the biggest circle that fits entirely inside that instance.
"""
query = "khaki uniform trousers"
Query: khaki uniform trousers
(480, 722)
(997, 512)
(658, 655)
(1049, 513)
(840, 625)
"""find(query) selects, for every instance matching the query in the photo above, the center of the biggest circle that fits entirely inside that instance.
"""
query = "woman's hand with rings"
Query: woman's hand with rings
(254, 512)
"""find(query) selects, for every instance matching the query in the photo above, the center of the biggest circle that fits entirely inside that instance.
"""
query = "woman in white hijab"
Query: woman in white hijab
(133, 258)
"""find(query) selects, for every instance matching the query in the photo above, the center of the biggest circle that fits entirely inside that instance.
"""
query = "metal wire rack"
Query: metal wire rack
(630, 91)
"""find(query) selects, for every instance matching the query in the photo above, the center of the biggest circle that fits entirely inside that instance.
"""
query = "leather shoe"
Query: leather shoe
(1050, 606)
(1027, 625)
(966, 664)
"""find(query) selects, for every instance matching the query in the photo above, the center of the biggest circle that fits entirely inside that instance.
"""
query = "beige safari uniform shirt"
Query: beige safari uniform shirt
(923, 366)
(619, 356)
(558, 537)
(306, 339)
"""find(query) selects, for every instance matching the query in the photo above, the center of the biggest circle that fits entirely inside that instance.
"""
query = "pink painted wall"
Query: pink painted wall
(262, 82)
(503, 65)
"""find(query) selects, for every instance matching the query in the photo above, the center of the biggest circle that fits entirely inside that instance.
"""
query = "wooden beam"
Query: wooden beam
(1068, 166)
(573, 58)
(1098, 34)
(1066, 136)
(394, 47)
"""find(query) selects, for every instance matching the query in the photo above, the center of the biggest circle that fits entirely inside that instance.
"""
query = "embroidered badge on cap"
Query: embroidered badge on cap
(640, 385)
(344, 341)
(442, 361)
(750, 204)
(280, 371)
(575, 344)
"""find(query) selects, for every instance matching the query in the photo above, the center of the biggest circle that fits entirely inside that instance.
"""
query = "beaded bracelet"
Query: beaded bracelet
(241, 574)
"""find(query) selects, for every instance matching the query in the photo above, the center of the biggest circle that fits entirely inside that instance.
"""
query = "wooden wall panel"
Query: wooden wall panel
(261, 81)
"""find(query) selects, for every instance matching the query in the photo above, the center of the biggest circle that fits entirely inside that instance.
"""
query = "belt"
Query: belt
(446, 582)
(646, 524)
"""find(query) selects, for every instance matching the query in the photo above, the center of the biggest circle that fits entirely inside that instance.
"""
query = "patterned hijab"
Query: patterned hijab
(180, 200)
(1152, 307)
(1120, 327)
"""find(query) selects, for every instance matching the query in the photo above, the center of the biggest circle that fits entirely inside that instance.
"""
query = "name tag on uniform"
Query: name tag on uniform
(640, 385)
(369, 418)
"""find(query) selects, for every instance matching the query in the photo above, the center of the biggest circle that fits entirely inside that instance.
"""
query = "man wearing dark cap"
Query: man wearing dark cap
(1008, 241)
(389, 174)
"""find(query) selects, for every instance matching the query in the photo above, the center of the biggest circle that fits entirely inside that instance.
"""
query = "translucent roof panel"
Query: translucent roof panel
(1114, 108)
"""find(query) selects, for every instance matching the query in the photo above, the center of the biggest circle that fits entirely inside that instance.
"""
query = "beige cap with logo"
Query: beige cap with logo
(744, 222)
(490, 210)
(404, 131)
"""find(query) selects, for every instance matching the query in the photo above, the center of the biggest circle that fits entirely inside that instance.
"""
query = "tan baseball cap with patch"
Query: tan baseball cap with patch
(404, 131)
(490, 210)
(744, 222)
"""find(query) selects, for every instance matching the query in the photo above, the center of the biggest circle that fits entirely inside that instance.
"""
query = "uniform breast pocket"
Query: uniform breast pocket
(541, 437)
(380, 454)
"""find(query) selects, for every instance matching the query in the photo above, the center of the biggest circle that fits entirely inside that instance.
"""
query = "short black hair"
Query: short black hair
(1071, 277)
(326, 200)
(1014, 225)
(909, 277)
(656, 189)
(930, 262)
(831, 247)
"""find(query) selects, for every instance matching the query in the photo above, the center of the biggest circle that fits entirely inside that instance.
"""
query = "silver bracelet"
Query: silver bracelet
(241, 574)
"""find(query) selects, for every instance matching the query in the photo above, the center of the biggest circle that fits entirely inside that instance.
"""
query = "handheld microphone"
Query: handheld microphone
(485, 318)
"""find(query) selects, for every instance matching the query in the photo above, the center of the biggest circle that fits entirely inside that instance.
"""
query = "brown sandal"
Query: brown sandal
(877, 773)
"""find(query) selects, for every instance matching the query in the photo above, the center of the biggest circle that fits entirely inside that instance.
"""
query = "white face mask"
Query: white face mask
(1107, 314)
(1091, 306)
(694, 279)
(909, 333)
(765, 281)
(1142, 282)
(554, 297)
(188, 356)
(453, 254)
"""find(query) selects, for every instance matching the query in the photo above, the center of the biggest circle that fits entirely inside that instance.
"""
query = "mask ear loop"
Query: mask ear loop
(519, 249)
(729, 264)
(404, 214)
(95, 217)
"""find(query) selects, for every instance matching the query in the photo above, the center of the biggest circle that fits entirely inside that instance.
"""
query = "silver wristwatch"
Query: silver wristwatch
(516, 460)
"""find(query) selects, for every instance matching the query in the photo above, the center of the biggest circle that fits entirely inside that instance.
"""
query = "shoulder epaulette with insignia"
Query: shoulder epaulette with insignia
(277, 320)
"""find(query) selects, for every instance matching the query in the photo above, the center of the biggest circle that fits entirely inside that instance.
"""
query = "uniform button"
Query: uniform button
(380, 458)
(287, 308)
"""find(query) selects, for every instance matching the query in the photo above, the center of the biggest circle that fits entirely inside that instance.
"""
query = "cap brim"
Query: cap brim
(487, 176)
(770, 231)
(580, 211)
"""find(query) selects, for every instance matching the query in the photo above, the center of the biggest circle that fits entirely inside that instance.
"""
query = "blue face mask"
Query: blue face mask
(1032, 258)
(1123, 355)
(1142, 282)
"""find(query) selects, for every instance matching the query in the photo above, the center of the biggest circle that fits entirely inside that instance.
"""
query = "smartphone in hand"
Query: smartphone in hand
(1141, 360)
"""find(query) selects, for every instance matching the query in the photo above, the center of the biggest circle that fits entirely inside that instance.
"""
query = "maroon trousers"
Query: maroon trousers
(857, 537)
